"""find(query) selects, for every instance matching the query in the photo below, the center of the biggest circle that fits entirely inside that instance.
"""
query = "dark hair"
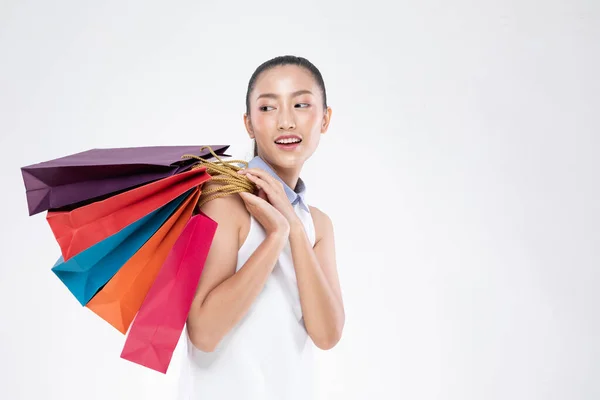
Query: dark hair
(281, 61)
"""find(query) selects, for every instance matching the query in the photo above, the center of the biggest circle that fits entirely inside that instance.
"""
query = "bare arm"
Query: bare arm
(318, 282)
(315, 267)
(223, 296)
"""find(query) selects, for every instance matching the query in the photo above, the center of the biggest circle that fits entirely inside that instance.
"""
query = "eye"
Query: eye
(264, 108)
(303, 104)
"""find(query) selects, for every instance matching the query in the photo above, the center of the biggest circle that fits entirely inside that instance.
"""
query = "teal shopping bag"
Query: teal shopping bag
(87, 272)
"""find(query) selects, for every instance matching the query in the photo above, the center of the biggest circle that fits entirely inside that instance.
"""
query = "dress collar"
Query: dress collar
(295, 196)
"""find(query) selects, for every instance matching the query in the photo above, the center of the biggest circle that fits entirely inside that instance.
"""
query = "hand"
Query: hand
(271, 220)
(271, 190)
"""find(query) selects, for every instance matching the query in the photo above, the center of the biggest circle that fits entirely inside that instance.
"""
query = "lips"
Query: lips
(283, 137)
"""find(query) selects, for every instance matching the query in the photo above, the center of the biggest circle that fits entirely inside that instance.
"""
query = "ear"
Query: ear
(326, 120)
(248, 125)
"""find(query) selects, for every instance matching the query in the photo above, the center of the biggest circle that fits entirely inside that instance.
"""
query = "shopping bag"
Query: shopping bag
(89, 270)
(121, 298)
(130, 249)
(83, 177)
(79, 229)
(159, 323)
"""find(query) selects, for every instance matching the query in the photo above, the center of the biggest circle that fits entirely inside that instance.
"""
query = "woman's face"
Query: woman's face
(286, 100)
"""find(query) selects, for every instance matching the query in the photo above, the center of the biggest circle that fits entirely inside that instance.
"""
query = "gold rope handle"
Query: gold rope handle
(224, 172)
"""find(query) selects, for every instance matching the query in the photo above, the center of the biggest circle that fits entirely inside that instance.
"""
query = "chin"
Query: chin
(287, 159)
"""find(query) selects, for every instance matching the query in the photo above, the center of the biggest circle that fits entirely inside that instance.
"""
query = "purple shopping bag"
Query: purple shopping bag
(89, 175)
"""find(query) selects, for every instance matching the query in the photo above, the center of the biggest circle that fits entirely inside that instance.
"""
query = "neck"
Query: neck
(288, 175)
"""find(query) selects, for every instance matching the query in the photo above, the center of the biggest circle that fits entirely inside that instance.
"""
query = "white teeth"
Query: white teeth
(286, 141)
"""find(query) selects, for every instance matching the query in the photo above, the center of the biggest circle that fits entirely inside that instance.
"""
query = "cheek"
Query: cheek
(262, 120)
(311, 120)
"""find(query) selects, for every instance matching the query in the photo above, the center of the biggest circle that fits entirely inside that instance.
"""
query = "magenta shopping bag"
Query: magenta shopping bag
(158, 325)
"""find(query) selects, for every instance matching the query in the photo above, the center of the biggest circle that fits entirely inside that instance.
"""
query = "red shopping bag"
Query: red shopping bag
(85, 226)
(158, 325)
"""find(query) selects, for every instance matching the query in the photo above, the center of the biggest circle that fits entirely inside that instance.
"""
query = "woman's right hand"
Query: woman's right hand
(268, 216)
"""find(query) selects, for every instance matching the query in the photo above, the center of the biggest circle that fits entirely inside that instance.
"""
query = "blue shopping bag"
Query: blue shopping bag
(87, 272)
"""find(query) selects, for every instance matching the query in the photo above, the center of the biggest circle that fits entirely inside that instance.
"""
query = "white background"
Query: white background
(460, 169)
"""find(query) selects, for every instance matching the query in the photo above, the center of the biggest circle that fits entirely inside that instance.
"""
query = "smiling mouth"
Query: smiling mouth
(288, 142)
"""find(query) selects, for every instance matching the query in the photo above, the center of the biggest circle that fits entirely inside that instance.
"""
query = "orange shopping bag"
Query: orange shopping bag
(121, 298)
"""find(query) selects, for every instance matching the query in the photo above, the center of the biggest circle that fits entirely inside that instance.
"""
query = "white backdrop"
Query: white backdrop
(460, 169)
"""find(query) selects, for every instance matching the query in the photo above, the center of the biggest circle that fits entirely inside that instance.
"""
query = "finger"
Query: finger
(251, 198)
(249, 169)
(249, 201)
(260, 183)
(261, 173)
(255, 171)
(248, 198)
(262, 195)
(276, 187)
(245, 196)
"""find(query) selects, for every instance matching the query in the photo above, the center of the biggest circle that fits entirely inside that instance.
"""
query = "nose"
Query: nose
(285, 120)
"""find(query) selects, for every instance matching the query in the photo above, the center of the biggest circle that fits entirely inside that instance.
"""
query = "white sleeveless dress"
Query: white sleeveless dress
(268, 355)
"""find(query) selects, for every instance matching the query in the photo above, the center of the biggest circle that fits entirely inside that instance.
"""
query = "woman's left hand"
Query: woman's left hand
(274, 191)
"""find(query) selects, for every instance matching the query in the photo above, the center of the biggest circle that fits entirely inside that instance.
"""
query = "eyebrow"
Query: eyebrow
(274, 96)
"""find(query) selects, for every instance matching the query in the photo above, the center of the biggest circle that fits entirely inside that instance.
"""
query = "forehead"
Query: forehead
(285, 79)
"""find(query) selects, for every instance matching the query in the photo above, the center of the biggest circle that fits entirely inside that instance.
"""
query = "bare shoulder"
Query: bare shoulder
(323, 224)
(317, 213)
(226, 209)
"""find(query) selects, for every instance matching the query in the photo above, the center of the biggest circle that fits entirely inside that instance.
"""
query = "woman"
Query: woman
(269, 290)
